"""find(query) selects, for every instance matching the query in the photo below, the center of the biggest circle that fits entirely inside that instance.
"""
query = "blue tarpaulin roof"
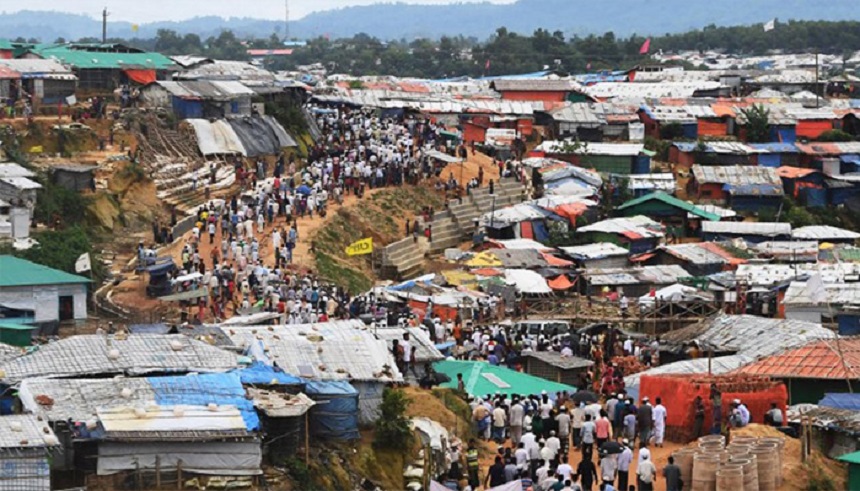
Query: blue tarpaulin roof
(224, 389)
(338, 417)
(261, 374)
(841, 401)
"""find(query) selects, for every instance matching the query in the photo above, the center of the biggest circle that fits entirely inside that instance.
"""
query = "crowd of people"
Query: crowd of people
(242, 248)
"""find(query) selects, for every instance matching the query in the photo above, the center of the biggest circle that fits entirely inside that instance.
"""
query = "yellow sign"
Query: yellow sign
(36, 149)
(363, 246)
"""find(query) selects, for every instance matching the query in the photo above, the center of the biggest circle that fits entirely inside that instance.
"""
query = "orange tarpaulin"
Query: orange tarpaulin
(556, 261)
(560, 283)
(487, 272)
(526, 231)
(143, 77)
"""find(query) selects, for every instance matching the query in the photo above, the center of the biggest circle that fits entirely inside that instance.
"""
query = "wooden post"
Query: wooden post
(157, 472)
(307, 439)
(179, 475)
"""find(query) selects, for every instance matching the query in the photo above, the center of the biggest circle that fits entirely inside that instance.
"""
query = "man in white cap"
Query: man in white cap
(646, 473)
(625, 458)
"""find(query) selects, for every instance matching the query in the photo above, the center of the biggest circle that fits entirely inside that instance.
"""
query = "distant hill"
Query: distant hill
(396, 20)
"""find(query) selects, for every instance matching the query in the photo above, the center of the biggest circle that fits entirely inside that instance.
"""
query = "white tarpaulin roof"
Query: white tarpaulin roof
(527, 281)
(216, 138)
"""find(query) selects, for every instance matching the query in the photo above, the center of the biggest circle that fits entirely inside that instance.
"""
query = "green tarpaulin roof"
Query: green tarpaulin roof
(671, 201)
(18, 272)
(86, 59)
(481, 379)
(851, 458)
(16, 327)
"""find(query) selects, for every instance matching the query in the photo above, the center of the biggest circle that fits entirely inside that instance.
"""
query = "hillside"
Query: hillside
(396, 21)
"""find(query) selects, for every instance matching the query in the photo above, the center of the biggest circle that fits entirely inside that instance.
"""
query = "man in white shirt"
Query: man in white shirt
(522, 456)
(516, 421)
(646, 472)
(499, 421)
(553, 443)
(659, 416)
(624, 459)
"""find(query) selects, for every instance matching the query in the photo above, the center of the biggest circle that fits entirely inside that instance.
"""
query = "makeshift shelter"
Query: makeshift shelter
(340, 350)
(26, 444)
(75, 177)
(481, 379)
(47, 296)
(93, 354)
(749, 231)
(676, 392)
(812, 370)
(638, 233)
(600, 255)
(283, 419)
(551, 365)
(336, 413)
(741, 187)
(527, 282)
(700, 259)
(634, 281)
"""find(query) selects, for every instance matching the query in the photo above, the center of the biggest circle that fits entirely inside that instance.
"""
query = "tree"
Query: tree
(392, 427)
(758, 123)
(835, 136)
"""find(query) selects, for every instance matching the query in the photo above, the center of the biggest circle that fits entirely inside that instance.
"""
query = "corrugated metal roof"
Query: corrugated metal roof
(557, 360)
(582, 114)
(680, 114)
(613, 149)
(736, 175)
(534, 85)
(25, 431)
(769, 274)
(11, 169)
(789, 250)
(38, 68)
(716, 210)
(824, 233)
(605, 90)
(88, 355)
(764, 229)
(7, 73)
(206, 89)
(698, 254)
(597, 250)
(659, 182)
(829, 148)
(718, 366)
(749, 335)
(664, 274)
(225, 70)
(828, 359)
(21, 183)
(340, 350)
(841, 294)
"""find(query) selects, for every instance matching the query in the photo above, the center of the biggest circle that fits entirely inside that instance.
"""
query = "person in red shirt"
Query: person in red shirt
(604, 429)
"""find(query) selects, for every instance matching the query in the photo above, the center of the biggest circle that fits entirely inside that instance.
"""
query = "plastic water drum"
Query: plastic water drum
(705, 472)
(730, 478)
(780, 443)
(766, 462)
(748, 464)
(684, 460)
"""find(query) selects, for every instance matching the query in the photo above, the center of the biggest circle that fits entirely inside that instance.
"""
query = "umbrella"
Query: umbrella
(303, 189)
(612, 447)
(585, 396)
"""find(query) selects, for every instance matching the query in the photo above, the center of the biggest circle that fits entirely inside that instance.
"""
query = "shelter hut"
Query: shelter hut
(553, 366)
(813, 370)
(339, 350)
(26, 446)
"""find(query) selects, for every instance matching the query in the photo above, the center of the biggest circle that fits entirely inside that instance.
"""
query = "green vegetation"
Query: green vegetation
(59, 249)
(300, 474)
(392, 427)
(351, 279)
(509, 52)
(835, 136)
(59, 207)
(758, 123)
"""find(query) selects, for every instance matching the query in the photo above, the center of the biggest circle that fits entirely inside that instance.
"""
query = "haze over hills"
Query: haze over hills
(397, 20)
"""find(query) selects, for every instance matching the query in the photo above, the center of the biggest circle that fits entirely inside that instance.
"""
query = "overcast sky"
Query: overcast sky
(141, 11)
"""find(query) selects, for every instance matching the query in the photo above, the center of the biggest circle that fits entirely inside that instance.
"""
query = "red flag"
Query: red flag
(487, 65)
(646, 46)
